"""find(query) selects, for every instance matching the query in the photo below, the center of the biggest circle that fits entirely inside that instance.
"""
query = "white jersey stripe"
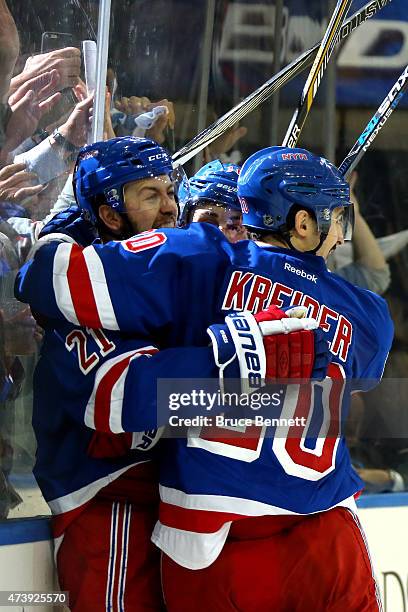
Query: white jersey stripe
(124, 559)
(195, 550)
(102, 371)
(112, 557)
(191, 550)
(235, 505)
(364, 537)
(116, 399)
(100, 289)
(60, 282)
(81, 496)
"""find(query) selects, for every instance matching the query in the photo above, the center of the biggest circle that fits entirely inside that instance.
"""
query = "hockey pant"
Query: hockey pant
(317, 563)
(106, 560)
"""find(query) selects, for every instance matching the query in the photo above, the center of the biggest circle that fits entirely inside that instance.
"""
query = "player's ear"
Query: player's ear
(302, 223)
(110, 218)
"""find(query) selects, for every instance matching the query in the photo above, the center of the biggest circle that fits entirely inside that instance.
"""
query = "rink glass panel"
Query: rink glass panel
(19, 336)
(157, 50)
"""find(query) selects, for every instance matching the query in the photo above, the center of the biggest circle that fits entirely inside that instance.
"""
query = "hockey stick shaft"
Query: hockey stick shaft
(265, 91)
(316, 73)
(376, 123)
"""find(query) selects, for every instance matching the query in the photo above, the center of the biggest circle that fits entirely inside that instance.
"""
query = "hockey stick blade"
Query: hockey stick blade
(265, 91)
(376, 123)
(316, 73)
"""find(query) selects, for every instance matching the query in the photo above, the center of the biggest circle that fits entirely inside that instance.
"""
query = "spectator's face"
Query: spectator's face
(227, 219)
(234, 230)
(150, 203)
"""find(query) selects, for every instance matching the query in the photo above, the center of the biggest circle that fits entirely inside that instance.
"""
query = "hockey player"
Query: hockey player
(211, 196)
(101, 484)
(103, 488)
(307, 552)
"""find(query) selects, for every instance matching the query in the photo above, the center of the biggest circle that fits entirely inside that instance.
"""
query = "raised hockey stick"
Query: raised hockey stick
(370, 132)
(316, 73)
(265, 91)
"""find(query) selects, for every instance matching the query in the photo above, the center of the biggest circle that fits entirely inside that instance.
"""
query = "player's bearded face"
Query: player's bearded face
(150, 203)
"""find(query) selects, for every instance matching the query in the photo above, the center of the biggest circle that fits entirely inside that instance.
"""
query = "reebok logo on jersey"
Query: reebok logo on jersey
(302, 273)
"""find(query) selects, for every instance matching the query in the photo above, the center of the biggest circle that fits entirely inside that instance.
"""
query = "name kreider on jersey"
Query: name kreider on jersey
(253, 292)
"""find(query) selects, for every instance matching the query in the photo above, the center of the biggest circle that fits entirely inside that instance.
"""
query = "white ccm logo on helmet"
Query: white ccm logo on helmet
(302, 273)
(157, 156)
(249, 347)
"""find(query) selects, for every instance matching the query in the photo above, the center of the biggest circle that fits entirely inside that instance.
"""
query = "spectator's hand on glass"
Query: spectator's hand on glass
(80, 94)
(380, 480)
(16, 185)
(75, 128)
(9, 47)
(224, 143)
(136, 106)
(168, 120)
(353, 182)
(133, 105)
(108, 131)
(67, 62)
(20, 329)
(80, 90)
(26, 115)
(43, 86)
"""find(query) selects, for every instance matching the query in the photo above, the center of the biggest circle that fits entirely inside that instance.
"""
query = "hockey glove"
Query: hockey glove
(268, 346)
(69, 222)
(294, 345)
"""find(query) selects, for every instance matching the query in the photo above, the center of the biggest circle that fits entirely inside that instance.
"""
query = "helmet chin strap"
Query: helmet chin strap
(286, 237)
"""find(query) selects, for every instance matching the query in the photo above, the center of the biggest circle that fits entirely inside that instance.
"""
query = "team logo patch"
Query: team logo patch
(112, 196)
(294, 156)
(233, 169)
(244, 205)
(88, 155)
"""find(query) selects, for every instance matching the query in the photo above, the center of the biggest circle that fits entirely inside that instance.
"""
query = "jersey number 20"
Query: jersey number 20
(289, 442)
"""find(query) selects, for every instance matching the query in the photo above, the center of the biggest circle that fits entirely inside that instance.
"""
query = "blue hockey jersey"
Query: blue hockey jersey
(94, 410)
(166, 287)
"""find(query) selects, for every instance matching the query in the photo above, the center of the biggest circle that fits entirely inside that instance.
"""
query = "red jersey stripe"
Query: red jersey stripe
(80, 287)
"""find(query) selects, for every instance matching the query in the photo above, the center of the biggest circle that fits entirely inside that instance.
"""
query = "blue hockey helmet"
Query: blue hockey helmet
(214, 183)
(103, 168)
(275, 179)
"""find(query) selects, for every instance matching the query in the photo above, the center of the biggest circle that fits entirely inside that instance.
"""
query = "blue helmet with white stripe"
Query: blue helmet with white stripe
(275, 179)
(214, 183)
(103, 168)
